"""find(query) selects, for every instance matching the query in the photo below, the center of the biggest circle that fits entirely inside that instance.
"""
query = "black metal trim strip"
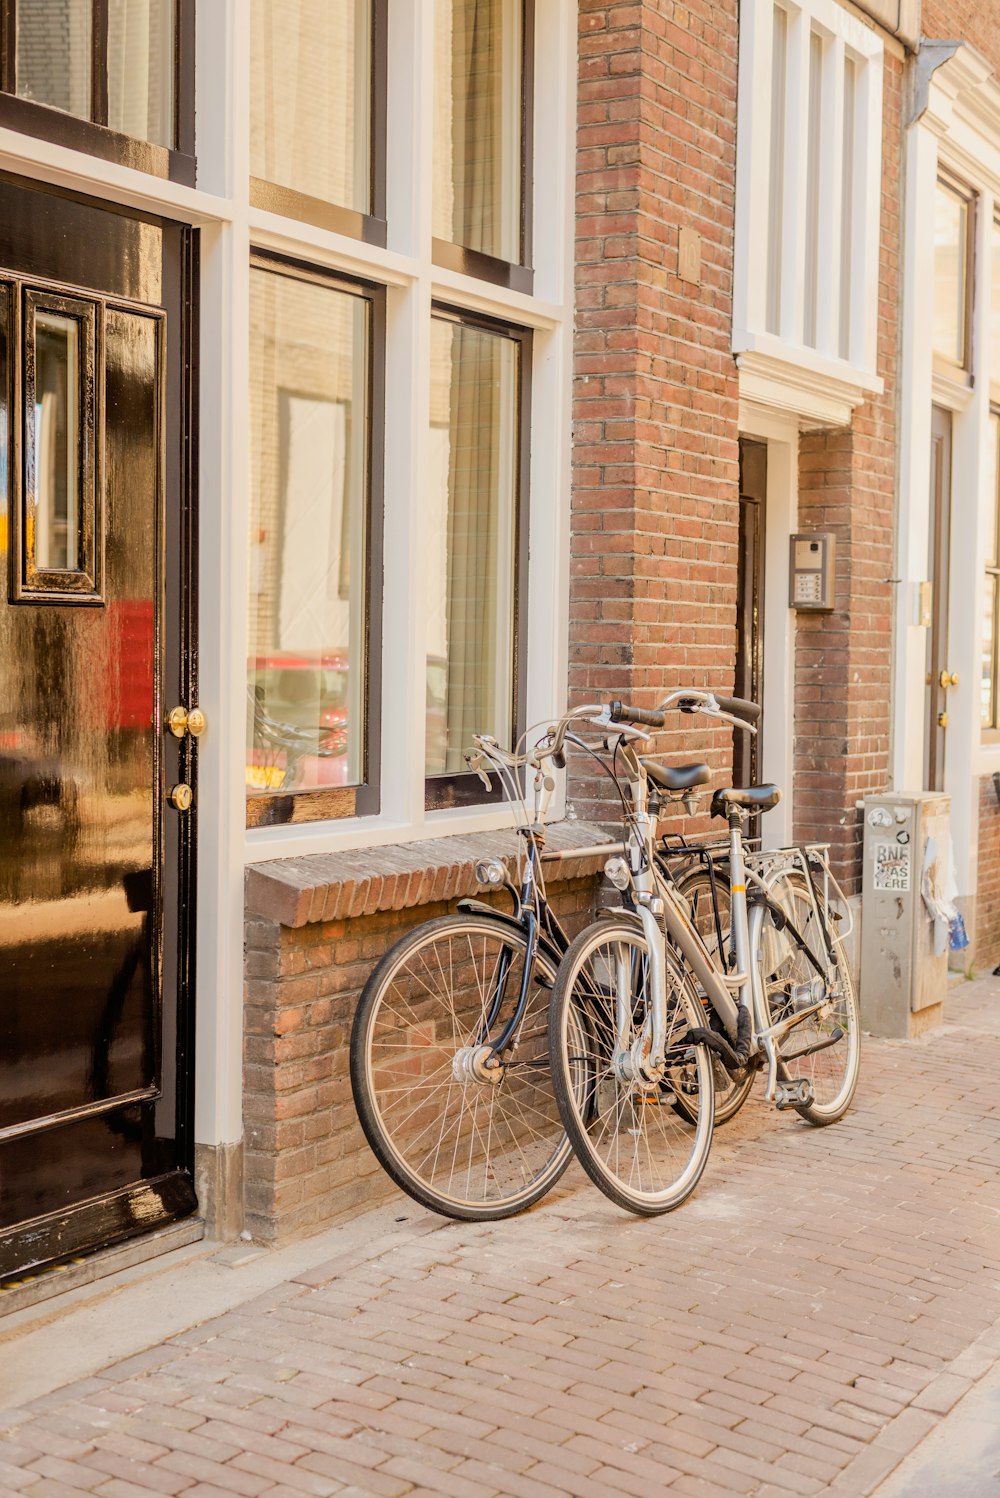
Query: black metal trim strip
(48, 1121)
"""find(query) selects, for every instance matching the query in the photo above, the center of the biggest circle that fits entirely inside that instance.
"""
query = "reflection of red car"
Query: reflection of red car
(298, 734)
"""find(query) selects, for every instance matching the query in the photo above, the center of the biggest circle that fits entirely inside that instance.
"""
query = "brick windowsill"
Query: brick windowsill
(340, 886)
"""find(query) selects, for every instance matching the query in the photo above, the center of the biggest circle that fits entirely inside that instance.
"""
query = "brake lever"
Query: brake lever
(475, 763)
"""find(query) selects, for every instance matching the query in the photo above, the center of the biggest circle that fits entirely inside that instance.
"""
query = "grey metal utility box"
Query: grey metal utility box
(904, 952)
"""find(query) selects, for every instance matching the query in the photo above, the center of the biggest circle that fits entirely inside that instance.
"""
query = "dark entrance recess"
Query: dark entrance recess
(750, 604)
(96, 646)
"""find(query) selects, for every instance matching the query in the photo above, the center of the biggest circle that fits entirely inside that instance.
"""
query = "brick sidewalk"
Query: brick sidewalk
(798, 1326)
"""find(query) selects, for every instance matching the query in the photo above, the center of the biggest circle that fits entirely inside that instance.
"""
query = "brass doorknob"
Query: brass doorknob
(181, 721)
(948, 679)
(180, 797)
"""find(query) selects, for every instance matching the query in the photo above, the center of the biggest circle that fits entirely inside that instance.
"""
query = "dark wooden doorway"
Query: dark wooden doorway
(939, 561)
(750, 604)
(96, 646)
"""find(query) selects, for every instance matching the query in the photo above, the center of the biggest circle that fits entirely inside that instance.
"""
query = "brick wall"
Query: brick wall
(315, 928)
(987, 932)
(656, 463)
(972, 20)
(306, 1161)
(847, 486)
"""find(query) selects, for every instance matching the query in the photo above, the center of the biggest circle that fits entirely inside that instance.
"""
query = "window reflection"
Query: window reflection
(56, 515)
(470, 540)
(310, 90)
(991, 594)
(951, 237)
(54, 54)
(309, 485)
(478, 170)
(141, 69)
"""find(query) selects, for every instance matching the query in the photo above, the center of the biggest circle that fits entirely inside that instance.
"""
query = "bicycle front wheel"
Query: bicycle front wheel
(462, 1135)
(797, 971)
(628, 1134)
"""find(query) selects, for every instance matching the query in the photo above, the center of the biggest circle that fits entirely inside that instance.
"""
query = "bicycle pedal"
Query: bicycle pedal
(797, 1094)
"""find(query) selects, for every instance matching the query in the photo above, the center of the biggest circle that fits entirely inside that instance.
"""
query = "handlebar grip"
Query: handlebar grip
(559, 759)
(620, 712)
(740, 708)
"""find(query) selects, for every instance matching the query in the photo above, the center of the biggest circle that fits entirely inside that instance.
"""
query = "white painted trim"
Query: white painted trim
(804, 390)
(957, 124)
(223, 581)
(771, 378)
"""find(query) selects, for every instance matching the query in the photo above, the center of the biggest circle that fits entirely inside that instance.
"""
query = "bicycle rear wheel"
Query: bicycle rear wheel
(792, 982)
(461, 1135)
(696, 887)
(628, 1134)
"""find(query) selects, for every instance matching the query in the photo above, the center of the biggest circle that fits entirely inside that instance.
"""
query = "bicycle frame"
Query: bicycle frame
(663, 916)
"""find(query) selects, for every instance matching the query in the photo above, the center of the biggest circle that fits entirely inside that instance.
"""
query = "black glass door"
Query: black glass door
(95, 863)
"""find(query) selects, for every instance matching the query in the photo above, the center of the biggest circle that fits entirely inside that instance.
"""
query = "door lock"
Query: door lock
(942, 720)
(948, 679)
(180, 721)
(180, 797)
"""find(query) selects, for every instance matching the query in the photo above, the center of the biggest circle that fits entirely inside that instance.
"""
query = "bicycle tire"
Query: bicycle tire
(465, 1147)
(642, 1153)
(731, 1090)
(788, 978)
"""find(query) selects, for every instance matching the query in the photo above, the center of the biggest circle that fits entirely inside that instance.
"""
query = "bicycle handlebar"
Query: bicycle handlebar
(737, 707)
(736, 710)
(621, 712)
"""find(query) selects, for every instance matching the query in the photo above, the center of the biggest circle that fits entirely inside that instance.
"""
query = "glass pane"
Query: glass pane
(141, 69)
(477, 125)
(847, 203)
(950, 242)
(54, 53)
(310, 91)
(308, 510)
(813, 187)
(995, 307)
(470, 540)
(55, 540)
(991, 518)
(776, 191)
(987, 685)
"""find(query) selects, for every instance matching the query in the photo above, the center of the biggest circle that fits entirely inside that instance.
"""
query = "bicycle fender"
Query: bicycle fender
(470, 906)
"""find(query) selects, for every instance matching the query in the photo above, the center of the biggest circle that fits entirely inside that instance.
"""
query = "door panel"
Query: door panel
(86, 1131)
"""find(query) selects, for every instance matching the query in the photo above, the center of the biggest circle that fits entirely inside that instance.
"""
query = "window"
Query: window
(413, 361)
(954, 218)
(473, 529)
(102, 75)
(808, 189)
(988, 714)
(480, 133)
(317, 94)
(310, 750)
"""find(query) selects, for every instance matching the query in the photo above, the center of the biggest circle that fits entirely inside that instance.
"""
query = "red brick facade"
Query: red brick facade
(655, 477)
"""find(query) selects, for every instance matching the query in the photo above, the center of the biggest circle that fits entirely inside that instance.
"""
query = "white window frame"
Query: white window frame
(777, 368)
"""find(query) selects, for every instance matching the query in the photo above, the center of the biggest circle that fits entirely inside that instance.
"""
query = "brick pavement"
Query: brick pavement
(797, 1327)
